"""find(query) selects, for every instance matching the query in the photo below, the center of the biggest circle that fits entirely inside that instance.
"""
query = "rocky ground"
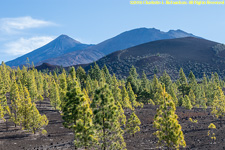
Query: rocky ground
(61, 138)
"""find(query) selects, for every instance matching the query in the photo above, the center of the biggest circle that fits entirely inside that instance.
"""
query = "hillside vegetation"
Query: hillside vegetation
(100, 109)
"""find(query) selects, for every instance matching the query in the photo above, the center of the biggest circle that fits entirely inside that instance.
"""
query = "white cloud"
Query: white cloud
(26, 45)
(11, 25)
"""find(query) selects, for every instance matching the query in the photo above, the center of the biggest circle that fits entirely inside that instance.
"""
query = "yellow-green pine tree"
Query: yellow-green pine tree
(32, 86)
(126, 99)
(192, 97)
(169, 131)
(187, 103)
(25, 110)
(38, 121)
(4, 108)
(133, 124)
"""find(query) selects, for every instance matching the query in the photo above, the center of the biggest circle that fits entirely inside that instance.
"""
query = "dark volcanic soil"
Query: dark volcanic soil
(60, 138)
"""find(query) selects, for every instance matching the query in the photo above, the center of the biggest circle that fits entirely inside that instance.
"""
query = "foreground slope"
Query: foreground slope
(61, 45)
(198, 55)
(122, 41)
(59, 137)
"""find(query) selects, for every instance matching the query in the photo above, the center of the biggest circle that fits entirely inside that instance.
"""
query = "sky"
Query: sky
(29, 24)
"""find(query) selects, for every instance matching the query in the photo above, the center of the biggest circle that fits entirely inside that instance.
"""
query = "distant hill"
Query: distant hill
(122, 41)
(61, 45)
(198, 55)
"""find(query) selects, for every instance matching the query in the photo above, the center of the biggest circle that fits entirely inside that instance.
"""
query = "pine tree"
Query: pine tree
(31, 120)
(40, 84)
(86, 95)
(156, 90)
(132, 97)
(187, 103)
(183, 87)
(89, 86)
(125, 99)
(71, 101)
(107, 75)
(40, 87)
(32, 86)
(133, 79)
(96, 75)
(54, 96)
(169, 130)
(133, 124)
(203, 101)
(116, 91)
(171, 90)
(5, 73)
(204, 81)
(46, 87)
(166, 80)
(218, 107)
(25, 110)
(62, 85)
(55, 76)
(144, 81)
(4, 108)
(106, 120)
(77, 116)
(191, 78)
(73, 73)
(81, 74)
(15, 103)
(192, 97)
(37, 120)
(133, 72)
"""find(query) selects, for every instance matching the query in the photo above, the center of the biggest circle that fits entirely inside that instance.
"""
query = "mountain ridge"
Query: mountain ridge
(189, 53)
(121, 41)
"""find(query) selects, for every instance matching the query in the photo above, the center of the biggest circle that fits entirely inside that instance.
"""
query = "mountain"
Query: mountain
(198, 55)
(122, 41)
(61, 45)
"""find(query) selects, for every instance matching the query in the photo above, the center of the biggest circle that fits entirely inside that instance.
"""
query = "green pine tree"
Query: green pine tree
(183, 87)
(77, 116)
(106, 120)
(81, 74)
(54, 96)
(15, 103)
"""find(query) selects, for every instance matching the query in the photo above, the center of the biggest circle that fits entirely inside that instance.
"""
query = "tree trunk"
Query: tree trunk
(104, 144)
(15, 117)
(6, 124)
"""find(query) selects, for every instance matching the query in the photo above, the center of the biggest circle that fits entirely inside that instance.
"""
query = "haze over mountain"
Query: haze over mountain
(122, 41)
(198, 55)
(61, 45)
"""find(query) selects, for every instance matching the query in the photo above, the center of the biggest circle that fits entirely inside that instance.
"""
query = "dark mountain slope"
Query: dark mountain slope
(61, 45)
(122, 41)
(77, 57)
(198, 55)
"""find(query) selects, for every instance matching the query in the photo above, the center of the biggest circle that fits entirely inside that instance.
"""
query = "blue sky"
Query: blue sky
(28, 24)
